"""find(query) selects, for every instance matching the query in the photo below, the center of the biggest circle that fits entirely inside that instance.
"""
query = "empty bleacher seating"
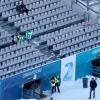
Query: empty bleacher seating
(55, 28)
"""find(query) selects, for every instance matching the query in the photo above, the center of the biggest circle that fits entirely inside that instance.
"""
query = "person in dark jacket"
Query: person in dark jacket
(53, 84)
(57, 79)
(14, 40)
(24, 8)
(18, 7)
(21, 7)
(93, 85)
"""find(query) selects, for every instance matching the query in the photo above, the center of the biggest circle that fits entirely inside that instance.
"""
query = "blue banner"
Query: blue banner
(12, 86)
(83, 62)
(1, 88)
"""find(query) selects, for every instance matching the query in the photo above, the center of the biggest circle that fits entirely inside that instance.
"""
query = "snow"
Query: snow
(74, 90)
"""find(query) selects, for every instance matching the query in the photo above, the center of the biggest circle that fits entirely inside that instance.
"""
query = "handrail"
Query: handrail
(29, 93)
(86, 7)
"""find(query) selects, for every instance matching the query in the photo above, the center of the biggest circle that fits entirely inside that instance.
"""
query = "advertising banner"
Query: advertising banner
(83, 62)
(16, 82)
(68, 66)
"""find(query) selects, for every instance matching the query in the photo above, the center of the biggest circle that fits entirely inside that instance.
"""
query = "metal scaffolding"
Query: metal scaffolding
(92, 7)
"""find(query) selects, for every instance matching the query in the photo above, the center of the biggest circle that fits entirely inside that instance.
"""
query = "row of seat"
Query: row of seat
(78, 48)
(74, 36)
(4, 2)
(73, 29)
(18, 59)
(52, 25)
(48, 20)
(7, 2)
(48, 14)
(5, 40)
(26, 50)
(24, 66)
(72, 43)
(3, 33)
(34, 12)
(4, 37)
(67, 21)
(14, 47)
(7, 7)
(14, 12)
(11, 5)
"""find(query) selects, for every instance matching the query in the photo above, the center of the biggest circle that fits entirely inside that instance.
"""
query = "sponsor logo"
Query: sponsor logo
(69, 71)
(27, 74)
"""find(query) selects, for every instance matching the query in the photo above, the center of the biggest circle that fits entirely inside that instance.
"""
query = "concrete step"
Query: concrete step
(47, 98)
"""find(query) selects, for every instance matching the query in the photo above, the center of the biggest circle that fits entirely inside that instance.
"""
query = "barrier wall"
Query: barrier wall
(78, 66)
(12, 87)
(83, 62)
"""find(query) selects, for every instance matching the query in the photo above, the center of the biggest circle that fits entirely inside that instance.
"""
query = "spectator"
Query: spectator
(53, 84)
(18, 7)
(57, 79)
(28, 35)
(20, 39)
(24, 8)
(14, 39)
(53, 87)
(93, 85)
(21, 7)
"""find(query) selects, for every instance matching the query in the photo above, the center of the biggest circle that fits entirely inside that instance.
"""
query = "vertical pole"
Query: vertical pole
(99, 13)
(88, 10)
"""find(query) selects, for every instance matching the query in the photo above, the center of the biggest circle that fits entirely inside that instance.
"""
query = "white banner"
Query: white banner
(68, 66)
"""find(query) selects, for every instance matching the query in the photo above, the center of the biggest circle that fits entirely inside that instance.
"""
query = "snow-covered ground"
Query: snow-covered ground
(75, 91)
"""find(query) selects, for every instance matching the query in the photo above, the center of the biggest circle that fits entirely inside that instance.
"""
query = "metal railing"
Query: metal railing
(28, 94)
(89, 11)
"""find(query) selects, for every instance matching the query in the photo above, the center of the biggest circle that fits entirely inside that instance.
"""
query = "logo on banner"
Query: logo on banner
(68, 66)
(69, 71)
(31, 73)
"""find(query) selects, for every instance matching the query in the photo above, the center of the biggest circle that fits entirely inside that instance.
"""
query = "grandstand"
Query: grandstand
(58, 30)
